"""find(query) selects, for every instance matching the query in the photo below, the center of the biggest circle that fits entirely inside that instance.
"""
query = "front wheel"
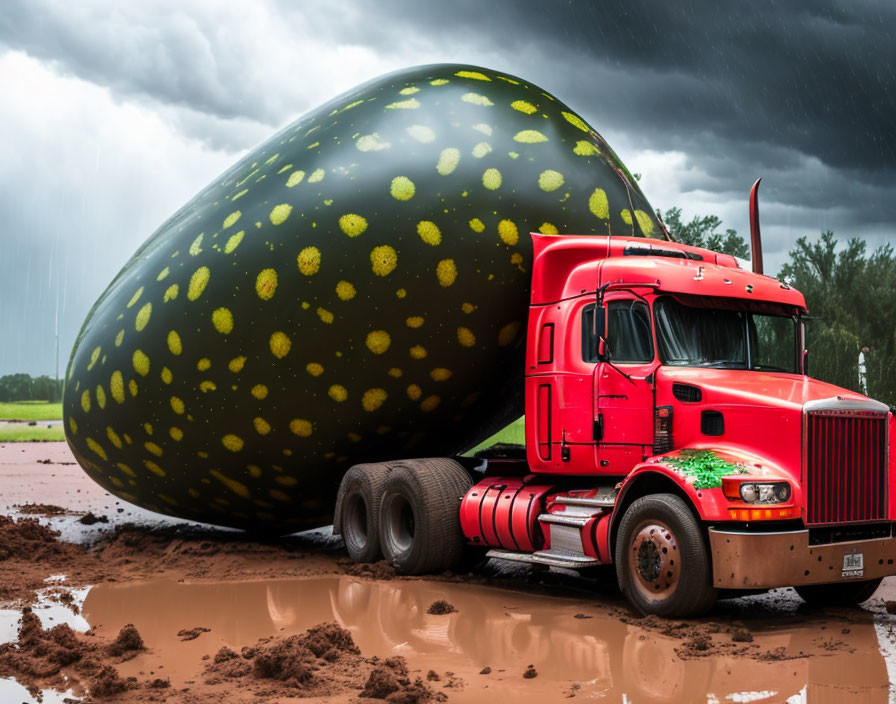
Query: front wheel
(840, 594)
(358, 506)
(661, 561)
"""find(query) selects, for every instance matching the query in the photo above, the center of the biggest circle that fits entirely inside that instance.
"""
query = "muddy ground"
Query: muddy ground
(101, 601)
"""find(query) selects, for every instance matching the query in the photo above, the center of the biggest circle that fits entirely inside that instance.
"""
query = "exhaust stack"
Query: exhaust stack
(755, 237)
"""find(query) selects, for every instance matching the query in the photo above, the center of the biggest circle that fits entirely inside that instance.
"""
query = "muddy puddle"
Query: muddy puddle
(576, 650)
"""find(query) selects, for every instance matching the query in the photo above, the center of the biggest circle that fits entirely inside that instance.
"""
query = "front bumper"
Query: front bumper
(742, 560)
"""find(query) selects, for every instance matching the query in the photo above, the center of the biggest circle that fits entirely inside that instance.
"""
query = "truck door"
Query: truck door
(624, 387)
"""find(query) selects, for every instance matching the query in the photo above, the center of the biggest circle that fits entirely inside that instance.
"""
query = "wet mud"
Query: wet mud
(227, 617)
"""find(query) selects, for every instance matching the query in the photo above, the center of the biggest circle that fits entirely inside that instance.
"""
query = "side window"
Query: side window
(628, 332)
(591, 331)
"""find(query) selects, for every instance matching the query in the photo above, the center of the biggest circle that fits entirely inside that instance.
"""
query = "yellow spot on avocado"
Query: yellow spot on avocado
(421, 133)
(373, 399)
(126, 469)
(429, 232)
(466, 337)
(132, 387)
(198, 282)
(314, 369)
(163, 273)
(476, 99)
(140, 362)
(468, 307)
(232, 243)
(430, 403)
(378, 341)
(236, 364)
(476, 225)
(73, 425)
(345, 291)
(402, 188)
(576, 121)
(94, 356)
(352, 225)
(418, 352)
(410, 104)
(113, 437)
(446, 272)
(484, 128)
(626, 216)
(448, 160)
(439, 82)
(85, 401)
(135, 297)
(547, 228)
(316, 175)
(260, 391)
(383, 259)
(266, 284)
(337, 392)
(584, 148)
(286, 480)
(491, 179)
(414, 321)
(100, 397)
(232, 442)
(410, 90)
(414, 392)
(153, 448)
(176, 433)
(240, 194)
(394, 372)
(508, 333)
(473, 74)
(481, 149)
(119, 338)
(203, 364)
(116, 386)
(440, 374)
(529, 137)
(279, 495)
(262, 427)
(550, 180)
(222, 319)
(232, 218)
(598, 204)
(644, 222)
(143, 317)
(524, 106)
(295, 178)
(280, 213)
(401, 293)
(508, 232)
(236, 487)
(154, 468)
(196, 247)
(177, 405)
(325, 315)
(280, 344)
(170, 293)
(371, 143)
(97, 448)
(301, 427)
(309, 261)
(174, 343)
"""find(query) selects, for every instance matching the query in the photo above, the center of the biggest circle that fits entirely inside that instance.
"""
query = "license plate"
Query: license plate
(853, 565)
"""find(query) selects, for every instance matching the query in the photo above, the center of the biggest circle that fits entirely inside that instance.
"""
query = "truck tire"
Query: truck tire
(840, 594)
(419, 520)
(661, 560)
(358, 510)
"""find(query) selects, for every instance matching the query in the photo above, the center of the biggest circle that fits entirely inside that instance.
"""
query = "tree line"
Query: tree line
(22, 387)
(850, 293)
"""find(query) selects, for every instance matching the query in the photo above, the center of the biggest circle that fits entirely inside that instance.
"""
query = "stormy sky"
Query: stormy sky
(112, 115)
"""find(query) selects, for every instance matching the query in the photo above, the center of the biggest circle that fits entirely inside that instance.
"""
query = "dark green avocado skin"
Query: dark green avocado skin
(355, 289)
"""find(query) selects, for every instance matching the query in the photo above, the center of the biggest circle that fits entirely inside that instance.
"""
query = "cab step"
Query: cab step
(607, 501)
(555, 557)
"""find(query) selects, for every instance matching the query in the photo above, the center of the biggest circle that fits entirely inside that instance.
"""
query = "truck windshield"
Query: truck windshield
(725, 338)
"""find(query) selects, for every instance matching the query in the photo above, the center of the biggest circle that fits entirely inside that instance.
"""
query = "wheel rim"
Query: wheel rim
(399, 524)
(654, 560)
(355, 522)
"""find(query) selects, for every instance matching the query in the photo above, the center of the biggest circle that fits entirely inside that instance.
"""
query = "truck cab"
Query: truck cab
(671, 430)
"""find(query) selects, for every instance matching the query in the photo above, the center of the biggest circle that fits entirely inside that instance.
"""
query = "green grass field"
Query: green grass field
(513, 434)
(30, 410)
(31, 433)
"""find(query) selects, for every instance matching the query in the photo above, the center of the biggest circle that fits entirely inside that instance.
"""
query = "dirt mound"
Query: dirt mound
(42, 509)
(323, 661)
(368, 570)
(27, 539)
(54, 656)
(440, 608)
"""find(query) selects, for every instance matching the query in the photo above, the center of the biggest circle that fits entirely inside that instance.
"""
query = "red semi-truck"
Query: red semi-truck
(671, 429)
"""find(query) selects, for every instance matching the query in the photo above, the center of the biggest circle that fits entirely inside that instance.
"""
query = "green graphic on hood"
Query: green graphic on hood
(705, 466)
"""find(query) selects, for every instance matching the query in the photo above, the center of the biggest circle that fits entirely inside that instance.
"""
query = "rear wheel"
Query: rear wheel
(840, 594)
(419, 522)
(661, 561)
(359, 504)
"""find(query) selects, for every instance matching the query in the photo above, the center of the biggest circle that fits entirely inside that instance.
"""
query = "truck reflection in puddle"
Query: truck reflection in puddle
(598, 656)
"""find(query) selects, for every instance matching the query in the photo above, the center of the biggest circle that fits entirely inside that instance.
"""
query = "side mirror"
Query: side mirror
(806, 362)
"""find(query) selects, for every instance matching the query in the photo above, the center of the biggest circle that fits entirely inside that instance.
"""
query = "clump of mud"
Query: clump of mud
(54, 656)
(381, 570)
(440, 608)
(42, 509)
(323, 661)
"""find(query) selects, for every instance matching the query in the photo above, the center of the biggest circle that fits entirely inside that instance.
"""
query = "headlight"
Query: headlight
(765, 493)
